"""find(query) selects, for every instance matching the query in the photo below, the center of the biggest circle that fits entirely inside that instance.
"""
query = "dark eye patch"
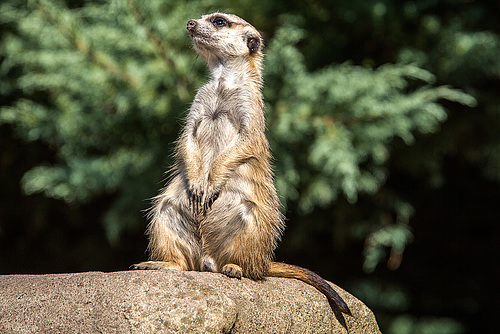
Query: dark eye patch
(220, 22)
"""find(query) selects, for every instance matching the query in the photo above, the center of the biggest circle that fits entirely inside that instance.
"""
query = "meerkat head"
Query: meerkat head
(221, 37)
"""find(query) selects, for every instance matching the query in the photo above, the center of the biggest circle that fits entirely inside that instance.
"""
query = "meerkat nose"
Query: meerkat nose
(191, 24)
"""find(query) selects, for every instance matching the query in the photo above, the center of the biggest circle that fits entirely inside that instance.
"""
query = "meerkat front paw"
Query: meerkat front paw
(212, 193)
(232, 270)
(195, 195)
(209, 200)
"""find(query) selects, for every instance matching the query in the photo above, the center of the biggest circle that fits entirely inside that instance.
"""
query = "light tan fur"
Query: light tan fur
(220, 211)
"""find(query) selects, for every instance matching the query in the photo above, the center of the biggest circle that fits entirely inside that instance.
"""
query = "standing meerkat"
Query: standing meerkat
(220, 211)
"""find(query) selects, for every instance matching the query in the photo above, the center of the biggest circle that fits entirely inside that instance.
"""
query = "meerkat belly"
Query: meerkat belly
(232, 214)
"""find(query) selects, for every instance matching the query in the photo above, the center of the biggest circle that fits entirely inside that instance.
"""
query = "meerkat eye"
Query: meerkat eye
(220, 22)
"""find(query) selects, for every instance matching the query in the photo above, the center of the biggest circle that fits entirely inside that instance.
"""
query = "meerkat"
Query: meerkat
(220, 212)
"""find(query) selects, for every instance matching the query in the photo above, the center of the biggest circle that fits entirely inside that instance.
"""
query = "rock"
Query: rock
(171, 301)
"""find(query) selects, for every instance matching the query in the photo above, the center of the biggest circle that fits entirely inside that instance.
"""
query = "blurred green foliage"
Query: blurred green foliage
(356, 92)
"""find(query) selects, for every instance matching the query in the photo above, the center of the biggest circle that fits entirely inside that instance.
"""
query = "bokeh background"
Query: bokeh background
(383, 117)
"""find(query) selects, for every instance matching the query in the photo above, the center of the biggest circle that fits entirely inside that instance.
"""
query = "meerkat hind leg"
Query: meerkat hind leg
(155, 265)
(232, 270)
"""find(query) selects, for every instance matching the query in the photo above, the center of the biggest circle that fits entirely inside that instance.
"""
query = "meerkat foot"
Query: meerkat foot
(232, 270)
(155, 265)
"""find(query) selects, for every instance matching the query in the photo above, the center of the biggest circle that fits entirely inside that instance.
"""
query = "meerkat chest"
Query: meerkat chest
(220, 116)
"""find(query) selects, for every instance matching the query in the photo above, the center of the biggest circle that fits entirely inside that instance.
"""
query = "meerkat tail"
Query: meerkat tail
(278, 269)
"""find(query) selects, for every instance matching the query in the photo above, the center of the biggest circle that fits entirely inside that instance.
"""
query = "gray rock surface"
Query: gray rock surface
(171, 301)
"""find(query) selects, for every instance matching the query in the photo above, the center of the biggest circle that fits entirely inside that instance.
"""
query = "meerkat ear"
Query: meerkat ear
(253, 44)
